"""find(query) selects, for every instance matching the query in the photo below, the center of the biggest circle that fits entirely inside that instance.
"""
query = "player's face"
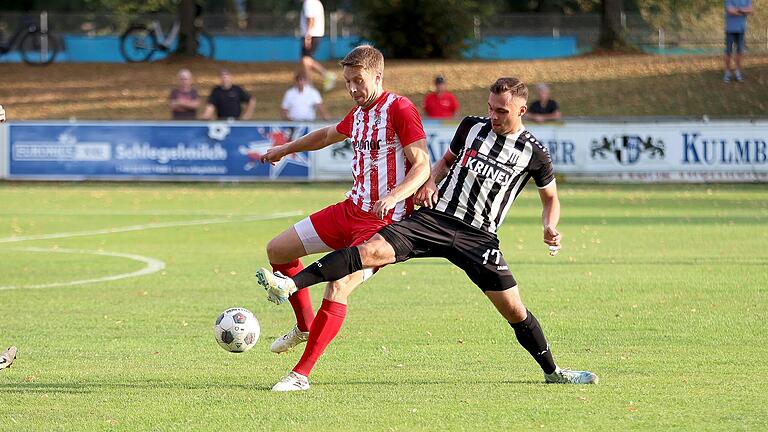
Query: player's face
(505, 112)
(362, 84)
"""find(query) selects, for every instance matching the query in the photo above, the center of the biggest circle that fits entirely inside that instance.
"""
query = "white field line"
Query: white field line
(152, 266)
(222, 220)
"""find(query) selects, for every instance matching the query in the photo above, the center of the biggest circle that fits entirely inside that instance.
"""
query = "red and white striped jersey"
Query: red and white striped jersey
(378, 134)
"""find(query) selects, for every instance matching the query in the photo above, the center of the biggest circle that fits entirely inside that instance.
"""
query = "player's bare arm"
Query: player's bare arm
(249, 109)
(310, 28)
(427, 194)
(417, 155)
(314, 140)
(550, 217)
(208, 113)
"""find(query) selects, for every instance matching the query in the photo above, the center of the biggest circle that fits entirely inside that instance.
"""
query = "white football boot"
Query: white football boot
(289, 340)
(278, 287)
(292, 382)
(7, 358)
(565, 376)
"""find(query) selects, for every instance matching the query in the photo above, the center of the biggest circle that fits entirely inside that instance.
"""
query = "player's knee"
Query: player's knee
(376, 252)
(340, 289)
(276, 251)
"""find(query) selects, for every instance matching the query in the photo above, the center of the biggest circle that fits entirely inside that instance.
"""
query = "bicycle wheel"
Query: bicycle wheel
(37, 48)
(205, 47)
(137, 44)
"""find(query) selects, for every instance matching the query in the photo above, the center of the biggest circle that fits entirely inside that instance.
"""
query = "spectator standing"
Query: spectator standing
(736, 12)
(302, 102)
(226, 100)
(184, 99)
(312, 26)
(441, 104)
(543, 109)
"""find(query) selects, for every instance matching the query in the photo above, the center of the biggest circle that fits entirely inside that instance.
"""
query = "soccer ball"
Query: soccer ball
(236, 330)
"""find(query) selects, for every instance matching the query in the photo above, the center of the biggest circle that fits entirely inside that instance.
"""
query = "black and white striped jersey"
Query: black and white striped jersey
(489, 172)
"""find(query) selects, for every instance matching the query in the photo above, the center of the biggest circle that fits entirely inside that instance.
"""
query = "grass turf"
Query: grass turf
(661, 290)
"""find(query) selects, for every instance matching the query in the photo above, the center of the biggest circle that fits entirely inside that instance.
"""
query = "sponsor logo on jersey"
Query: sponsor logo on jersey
(367, 144)
(486, 167)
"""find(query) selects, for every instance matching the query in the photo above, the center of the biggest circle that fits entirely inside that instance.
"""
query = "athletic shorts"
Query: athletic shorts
(734, 39)
(338, 226)
(429, 233)
(310, 52)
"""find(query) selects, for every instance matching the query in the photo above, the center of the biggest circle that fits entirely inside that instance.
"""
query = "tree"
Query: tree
(418, 28)
(187, 41)
(611, 31)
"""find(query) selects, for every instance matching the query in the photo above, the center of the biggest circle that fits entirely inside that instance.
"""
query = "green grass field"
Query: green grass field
(661, 290)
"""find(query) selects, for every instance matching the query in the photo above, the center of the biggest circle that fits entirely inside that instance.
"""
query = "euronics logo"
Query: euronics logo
(58, 152)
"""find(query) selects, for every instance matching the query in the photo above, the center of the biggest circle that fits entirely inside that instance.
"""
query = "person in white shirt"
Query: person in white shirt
(312, 24)
(302, 102)
(2, 114)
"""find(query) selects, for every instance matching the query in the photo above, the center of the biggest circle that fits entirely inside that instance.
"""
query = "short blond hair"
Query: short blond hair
(365, 56)
(512, 85)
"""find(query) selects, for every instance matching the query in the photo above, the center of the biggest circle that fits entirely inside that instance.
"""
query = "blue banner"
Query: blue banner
(170, 151)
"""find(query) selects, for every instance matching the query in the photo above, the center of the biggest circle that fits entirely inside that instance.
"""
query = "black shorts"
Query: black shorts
(429, 233)
(310, 52)
(734, 40)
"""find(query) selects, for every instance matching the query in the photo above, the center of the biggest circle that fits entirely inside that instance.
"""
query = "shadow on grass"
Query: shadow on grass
(91, 387)
(390, 383)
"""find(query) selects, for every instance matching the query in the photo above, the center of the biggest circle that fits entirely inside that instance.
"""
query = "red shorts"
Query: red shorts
(338, 226)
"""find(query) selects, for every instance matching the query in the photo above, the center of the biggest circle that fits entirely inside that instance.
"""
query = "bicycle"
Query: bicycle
(139, 42)
(35, 43)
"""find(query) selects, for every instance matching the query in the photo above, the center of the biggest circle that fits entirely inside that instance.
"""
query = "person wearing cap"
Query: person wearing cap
(441, 104)
(544, 109)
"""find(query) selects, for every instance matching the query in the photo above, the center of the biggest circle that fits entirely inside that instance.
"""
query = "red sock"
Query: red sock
(300, 300)
(326, 326)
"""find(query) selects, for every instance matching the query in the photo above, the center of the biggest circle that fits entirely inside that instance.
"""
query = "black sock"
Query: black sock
(331, 267)
(531, 337)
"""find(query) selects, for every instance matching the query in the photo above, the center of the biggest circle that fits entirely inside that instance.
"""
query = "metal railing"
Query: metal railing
(642, 30)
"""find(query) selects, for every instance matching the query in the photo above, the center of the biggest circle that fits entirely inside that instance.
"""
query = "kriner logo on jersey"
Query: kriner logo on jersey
(627, 148)
(486, 167)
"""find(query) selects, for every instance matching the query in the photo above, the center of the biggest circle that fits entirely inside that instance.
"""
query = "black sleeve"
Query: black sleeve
(553, 106)
(541, 168)
(244, 96)
(460, 137)
(212, 98)
(535, 108)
